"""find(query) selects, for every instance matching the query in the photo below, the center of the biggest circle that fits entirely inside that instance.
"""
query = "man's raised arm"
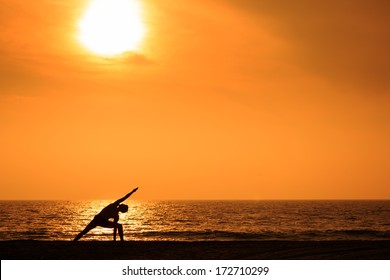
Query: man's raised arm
(126, 196)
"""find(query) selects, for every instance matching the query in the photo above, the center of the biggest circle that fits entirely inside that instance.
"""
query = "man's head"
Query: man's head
(123, 208)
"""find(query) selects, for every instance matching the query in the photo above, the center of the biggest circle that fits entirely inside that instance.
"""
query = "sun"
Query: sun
(111, 27)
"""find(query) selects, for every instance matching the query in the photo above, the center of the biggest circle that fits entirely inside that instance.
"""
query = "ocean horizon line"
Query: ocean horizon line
(199, 200)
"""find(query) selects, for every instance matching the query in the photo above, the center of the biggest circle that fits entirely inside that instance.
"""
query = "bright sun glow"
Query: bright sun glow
(111, 27)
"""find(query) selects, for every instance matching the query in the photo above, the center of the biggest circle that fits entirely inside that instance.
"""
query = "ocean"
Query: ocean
(201, 220)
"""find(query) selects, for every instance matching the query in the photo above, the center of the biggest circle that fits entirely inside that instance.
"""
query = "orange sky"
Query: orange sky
(226, 99)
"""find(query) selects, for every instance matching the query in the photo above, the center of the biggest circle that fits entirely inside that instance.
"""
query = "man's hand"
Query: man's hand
(126, 196)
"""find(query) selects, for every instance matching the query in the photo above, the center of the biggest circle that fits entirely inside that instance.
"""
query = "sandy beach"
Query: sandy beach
(165, 250)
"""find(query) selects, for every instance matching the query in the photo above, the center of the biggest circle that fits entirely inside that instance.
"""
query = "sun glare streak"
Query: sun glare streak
(111, 27)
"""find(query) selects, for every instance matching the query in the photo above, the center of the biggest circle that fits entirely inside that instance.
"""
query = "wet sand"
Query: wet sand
(211, 250)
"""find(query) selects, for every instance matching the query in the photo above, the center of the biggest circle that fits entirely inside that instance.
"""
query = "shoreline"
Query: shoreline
(195, 250)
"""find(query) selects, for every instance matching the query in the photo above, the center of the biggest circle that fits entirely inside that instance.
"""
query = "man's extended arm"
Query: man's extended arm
(126, 196)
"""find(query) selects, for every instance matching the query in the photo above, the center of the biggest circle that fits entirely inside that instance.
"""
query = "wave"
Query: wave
(203, 235)
(215, 235)
(360, 232)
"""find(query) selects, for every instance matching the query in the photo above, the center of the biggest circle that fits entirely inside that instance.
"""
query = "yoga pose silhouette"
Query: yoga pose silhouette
(111, 211)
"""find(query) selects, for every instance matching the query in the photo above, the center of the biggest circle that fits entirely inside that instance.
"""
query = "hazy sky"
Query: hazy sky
(225, 99)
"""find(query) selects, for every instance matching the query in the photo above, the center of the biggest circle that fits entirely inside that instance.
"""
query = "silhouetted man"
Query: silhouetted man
(111, 211)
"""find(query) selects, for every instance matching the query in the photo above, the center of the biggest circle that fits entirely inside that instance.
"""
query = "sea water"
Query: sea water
(201, 220)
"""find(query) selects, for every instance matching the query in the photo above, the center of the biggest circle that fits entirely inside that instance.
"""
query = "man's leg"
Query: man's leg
(116, 226)
(120, 230)
(90, 226)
